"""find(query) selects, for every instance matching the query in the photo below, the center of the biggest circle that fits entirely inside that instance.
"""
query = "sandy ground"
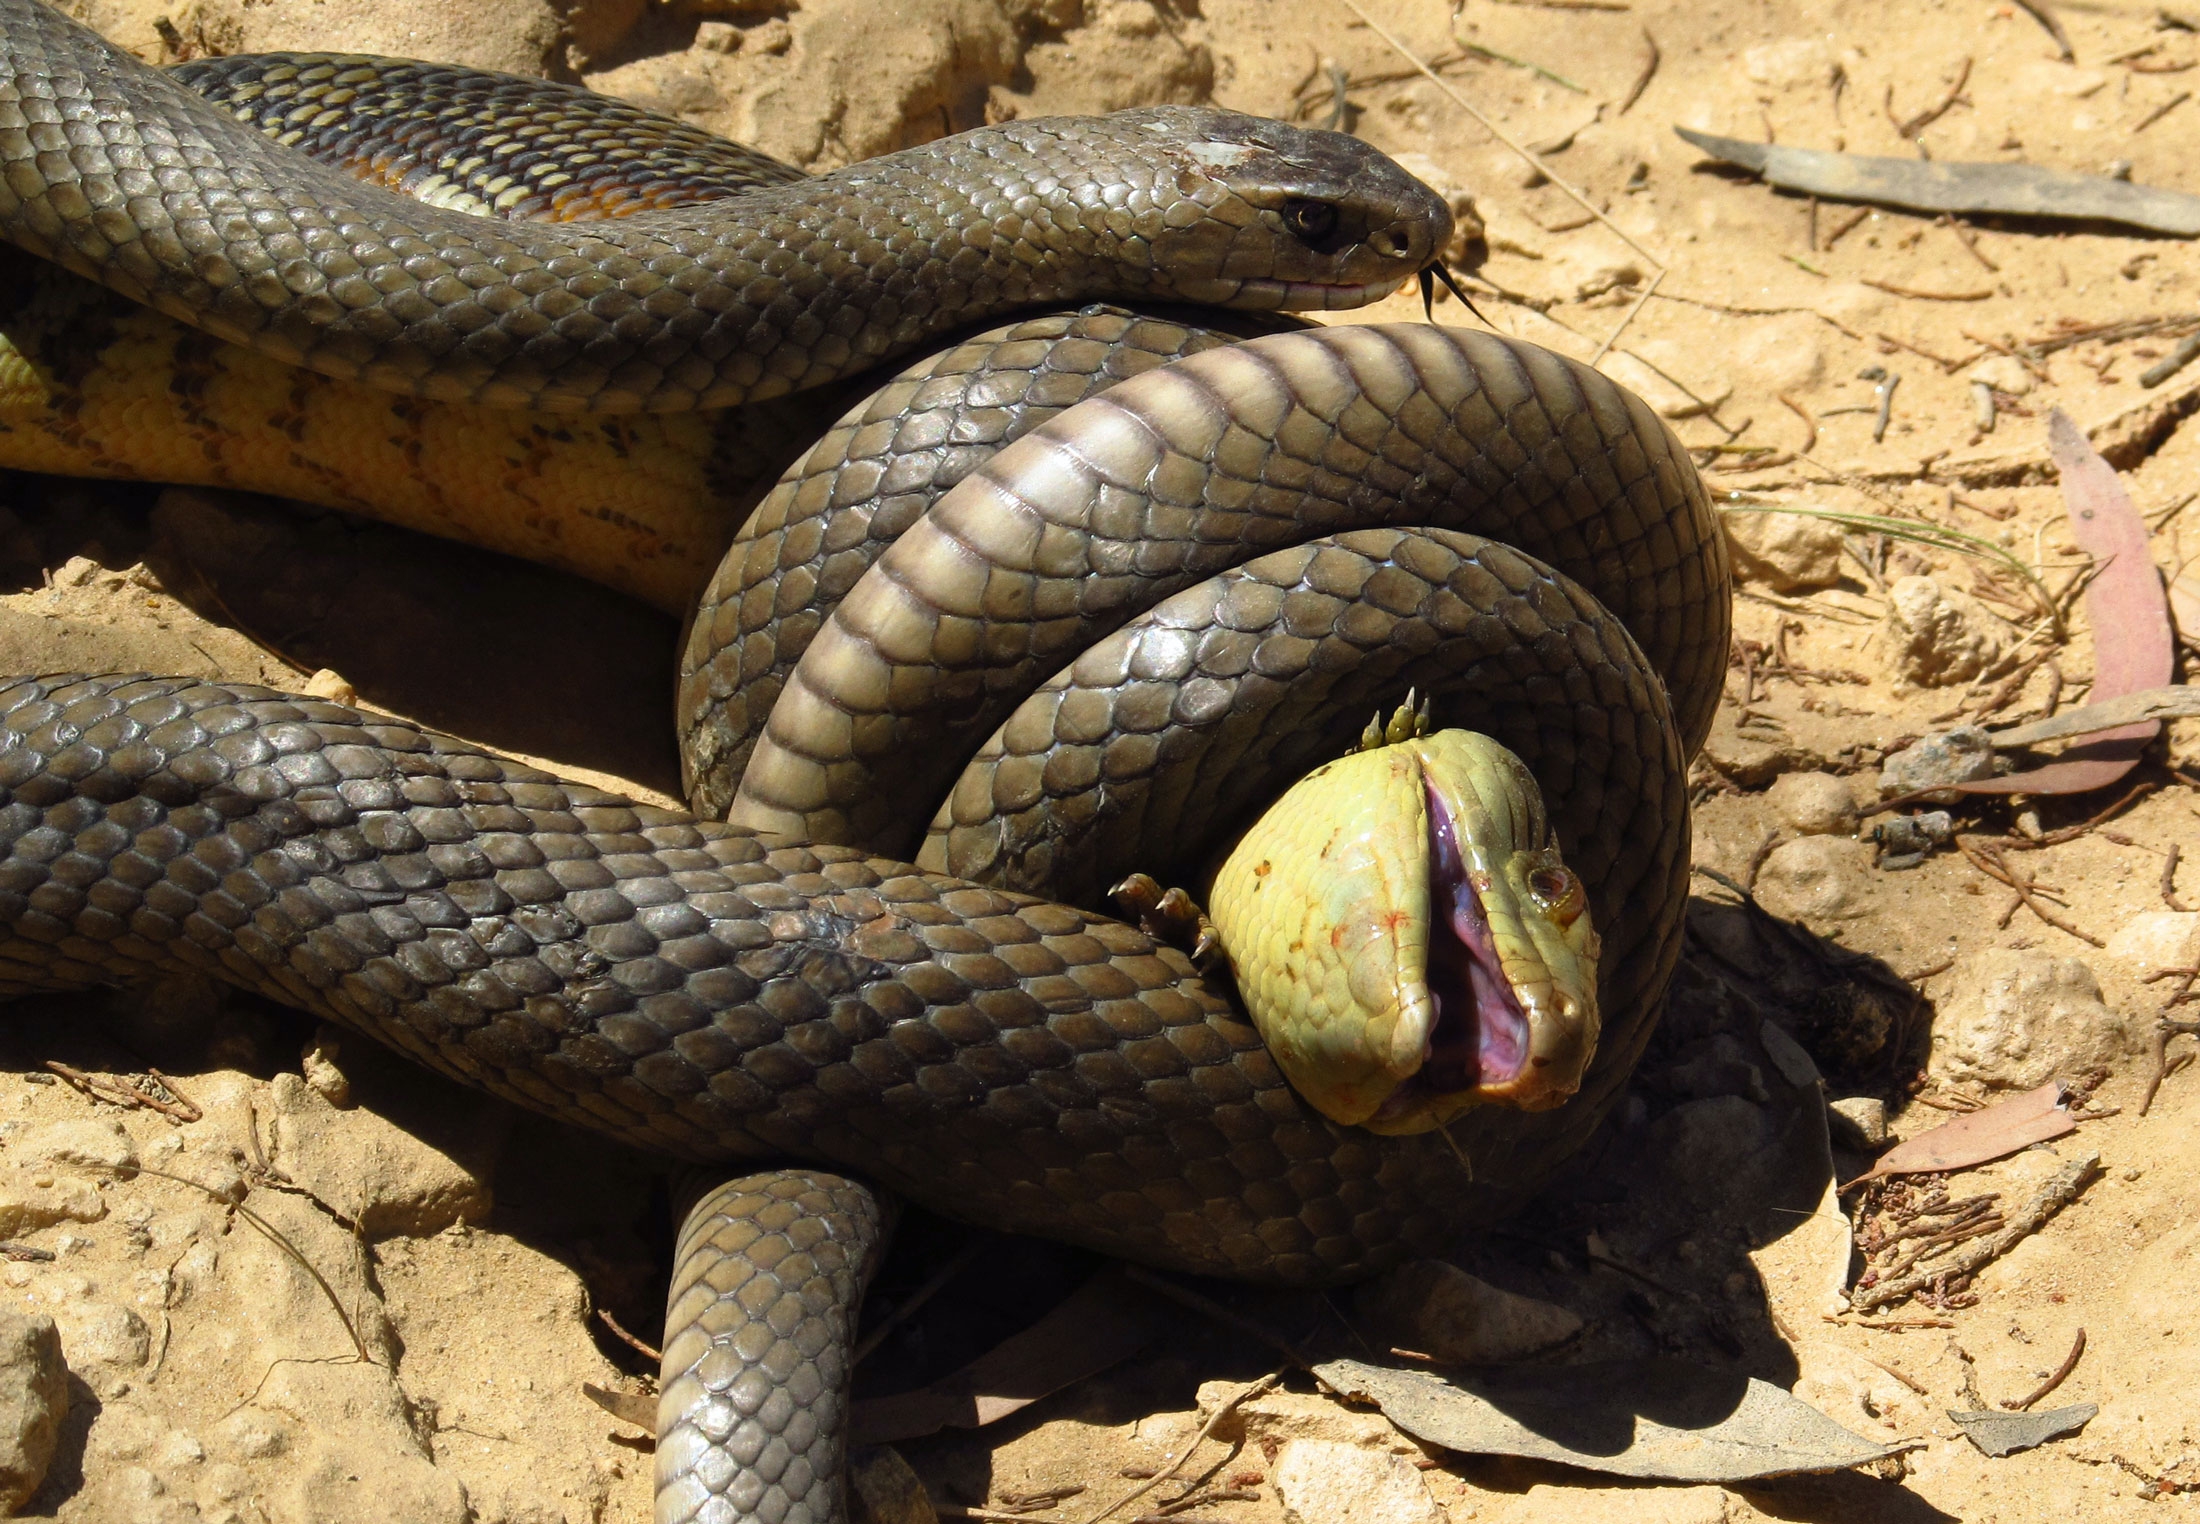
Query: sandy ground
(470, 1246)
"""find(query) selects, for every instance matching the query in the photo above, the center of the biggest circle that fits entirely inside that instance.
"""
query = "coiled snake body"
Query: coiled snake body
(1203, 580)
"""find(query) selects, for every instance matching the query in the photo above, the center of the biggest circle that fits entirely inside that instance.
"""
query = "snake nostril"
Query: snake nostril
(1386, 243)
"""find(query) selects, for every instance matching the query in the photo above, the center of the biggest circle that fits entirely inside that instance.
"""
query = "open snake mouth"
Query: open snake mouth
(1479, 1039)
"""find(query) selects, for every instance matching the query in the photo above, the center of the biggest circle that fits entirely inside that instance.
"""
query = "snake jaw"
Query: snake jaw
(1303, 296)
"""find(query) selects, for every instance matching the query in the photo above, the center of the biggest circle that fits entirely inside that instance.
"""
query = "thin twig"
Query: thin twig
(1844, 227)
(924, 1293)
(1810, 424)
(1208, 1307)
(2038, 11)
(1892, 289)
(1497, 132)
(182, 1100)
(267, 1230)
(1968, 239)
(1523, 63)
(2161, 111)
(1642, 80)
(1911, 1382)
(2058, 1192)
(1649, 290)
(116, 1093)
(1911, 127)
(1987, 859)
(1264, 1384)
(2062, 1372)
(656, 1356)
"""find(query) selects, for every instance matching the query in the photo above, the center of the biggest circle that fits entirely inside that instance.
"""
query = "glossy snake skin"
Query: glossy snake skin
(1145, 614)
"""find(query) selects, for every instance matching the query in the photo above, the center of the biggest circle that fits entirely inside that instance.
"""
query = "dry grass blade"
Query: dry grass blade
(1206, 1431)
(272, 1234)
(1595, 211)
(1918, 532)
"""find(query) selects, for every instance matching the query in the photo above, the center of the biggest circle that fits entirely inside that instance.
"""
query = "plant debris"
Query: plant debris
(1923, 185)
(2000, 1434)
(1945, 1276)
(1977, 1138)
(1709, 1426)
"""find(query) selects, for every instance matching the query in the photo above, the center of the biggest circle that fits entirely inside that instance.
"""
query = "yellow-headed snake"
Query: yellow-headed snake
(1211, 574)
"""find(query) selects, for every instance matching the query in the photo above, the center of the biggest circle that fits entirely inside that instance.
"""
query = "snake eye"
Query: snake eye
(1313, 223)
(1558, 893)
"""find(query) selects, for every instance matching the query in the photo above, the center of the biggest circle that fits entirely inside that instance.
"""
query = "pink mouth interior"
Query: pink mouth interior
(1480, 1035)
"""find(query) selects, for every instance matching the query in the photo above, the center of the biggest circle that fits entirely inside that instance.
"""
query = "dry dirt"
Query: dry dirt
(215, 1382)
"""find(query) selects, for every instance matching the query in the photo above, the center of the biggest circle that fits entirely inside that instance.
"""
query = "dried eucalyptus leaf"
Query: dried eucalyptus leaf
(1999, 1434)
(1656, 1419)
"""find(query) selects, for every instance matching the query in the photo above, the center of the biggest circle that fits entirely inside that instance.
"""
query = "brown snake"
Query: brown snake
(1228, 561)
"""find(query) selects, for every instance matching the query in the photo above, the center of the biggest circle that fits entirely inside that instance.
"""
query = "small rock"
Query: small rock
(884, 1489)
(96, 1143)
(1905, 841)
(34, 1399)
(1786, 552)
(319, 1063)
(1441, 1310)
(330, 684)
(1623, 275)
(357, 1457)
(1816, 878)
(1165, 1429)
(30, 1201)
(1940, 635)
(395, 1183)
(103, 1342)
(1962, 755)
(1787, 1055)
(1846, 1024)
(2157, 939)
(251, 1434)
(2004, 373)
(2020, 1018)
(1275, 1418)
(54, 1178)
(1715, 1151)
(1813, 804)
(77, 571)
(1319, 1482)
(1754, 763)
(1790, 63)
(1720, 1066)
(1858, 1122)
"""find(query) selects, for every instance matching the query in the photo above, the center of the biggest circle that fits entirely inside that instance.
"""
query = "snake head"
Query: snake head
(1407, 939)
(1260, 214)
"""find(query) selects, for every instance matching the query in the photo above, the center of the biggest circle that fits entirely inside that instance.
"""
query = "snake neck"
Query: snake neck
(124, 175)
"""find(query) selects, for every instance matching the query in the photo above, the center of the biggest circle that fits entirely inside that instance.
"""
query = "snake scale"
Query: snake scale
(1145, 614)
